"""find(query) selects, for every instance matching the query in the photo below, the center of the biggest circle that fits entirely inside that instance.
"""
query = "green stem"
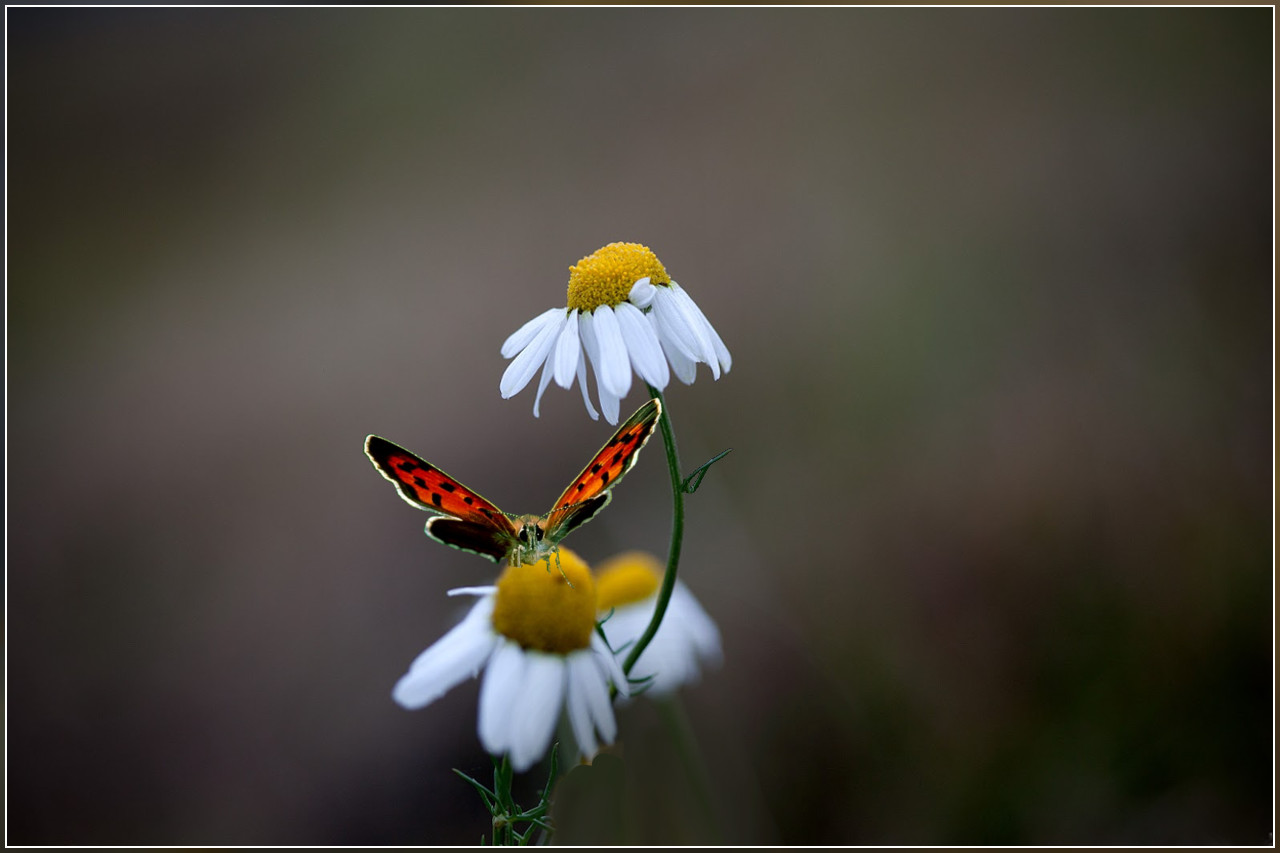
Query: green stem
(677, 534)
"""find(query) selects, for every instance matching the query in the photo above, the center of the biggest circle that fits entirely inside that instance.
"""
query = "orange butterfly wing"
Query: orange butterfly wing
(464, 520)
(589, 492)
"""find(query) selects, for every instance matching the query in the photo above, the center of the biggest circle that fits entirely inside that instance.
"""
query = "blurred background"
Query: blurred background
(992, 556)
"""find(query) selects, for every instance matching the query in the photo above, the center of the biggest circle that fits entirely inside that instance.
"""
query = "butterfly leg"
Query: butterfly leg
(555, 549)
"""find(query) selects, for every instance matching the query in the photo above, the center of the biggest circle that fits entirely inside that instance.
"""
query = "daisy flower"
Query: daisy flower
(534, 636)
(624, 313)
(628, 585)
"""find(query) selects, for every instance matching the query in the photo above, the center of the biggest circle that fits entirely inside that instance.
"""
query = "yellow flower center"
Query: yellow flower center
(627, 578)
(537, 608)
(605, 276)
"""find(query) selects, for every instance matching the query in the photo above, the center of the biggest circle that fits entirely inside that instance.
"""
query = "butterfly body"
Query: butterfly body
(464, 520)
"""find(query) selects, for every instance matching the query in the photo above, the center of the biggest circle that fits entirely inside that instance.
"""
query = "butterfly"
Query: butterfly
(468, 522)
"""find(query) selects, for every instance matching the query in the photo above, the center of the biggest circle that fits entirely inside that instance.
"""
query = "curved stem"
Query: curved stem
(677, 534)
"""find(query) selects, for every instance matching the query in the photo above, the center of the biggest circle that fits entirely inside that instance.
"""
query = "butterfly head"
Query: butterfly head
(532, 544)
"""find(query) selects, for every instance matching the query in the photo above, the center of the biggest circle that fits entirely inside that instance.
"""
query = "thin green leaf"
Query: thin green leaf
(691, 483)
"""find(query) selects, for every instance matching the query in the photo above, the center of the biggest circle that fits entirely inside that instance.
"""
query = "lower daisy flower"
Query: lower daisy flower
(624, 312)
(627, 587)
(534, 636)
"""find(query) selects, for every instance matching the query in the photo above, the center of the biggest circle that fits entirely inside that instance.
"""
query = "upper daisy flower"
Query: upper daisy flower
(534, 635)
(627, 585)
(623, 312)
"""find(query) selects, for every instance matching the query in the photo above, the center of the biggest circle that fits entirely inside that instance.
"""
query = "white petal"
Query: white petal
(685, 368)
(641, 294)
(500, 696)
(687, 638)
(672, 326)
(608, 400)
(522, 336)
(699, 325)
(582, 383)
(610, 669)
(642, 346)
(596, 689)
(696, 630)
(542, 696)
(523, 366)
(683, 634)
(662, 674)
(667, 661)
(542, 386)
(613, 366)
(700, 627)
(627, 623)
(722, 352)
(452, 659)
(582, 676)
(472, 590)
(609, 405)
(568, 351)
(474, 626)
